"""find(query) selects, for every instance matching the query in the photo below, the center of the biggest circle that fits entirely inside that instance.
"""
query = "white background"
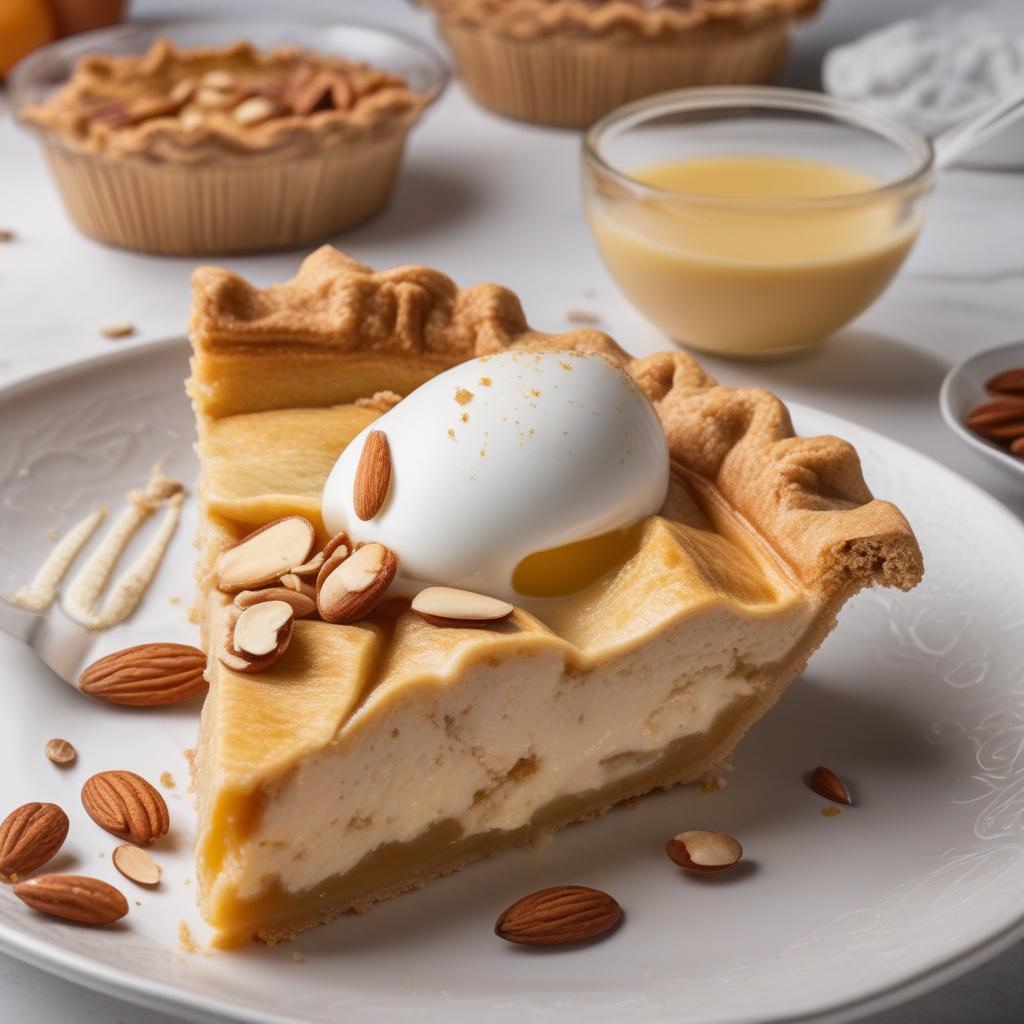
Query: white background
(482, 198)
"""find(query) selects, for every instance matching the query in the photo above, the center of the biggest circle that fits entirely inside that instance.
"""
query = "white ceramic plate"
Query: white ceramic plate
(964, 388)
(917, 699)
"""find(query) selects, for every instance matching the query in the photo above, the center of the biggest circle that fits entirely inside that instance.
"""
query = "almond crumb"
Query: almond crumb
(121, 329)
(167, 780)
(297, 957)
(60, 752)
(52, 534)
(831, 811)
(185, 940)
(582, 316)
(6, 235)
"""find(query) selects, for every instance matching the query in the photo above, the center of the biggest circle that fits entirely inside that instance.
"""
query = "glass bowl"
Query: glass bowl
(804, 209)
(274, 200)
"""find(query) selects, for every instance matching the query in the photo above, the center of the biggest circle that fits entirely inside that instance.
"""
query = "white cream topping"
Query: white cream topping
(504, 456)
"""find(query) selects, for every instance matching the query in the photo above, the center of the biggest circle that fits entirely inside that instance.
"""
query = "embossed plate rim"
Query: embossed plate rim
(50, 955)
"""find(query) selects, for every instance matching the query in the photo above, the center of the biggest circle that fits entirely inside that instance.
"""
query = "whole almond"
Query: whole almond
(1017, 447)
(74, 898)
(1009, 382)
(556, 916)
(827, 784)
(356, 585)
(146, 675)
(60, 752)
(135, 863)
(29, 837)
(703, 851)
(445, 606)
(265, 555)
(127, 806)
(373, 476)
(1000, 420)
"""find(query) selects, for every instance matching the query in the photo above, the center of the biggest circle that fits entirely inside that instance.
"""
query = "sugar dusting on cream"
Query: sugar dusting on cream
(82, 601)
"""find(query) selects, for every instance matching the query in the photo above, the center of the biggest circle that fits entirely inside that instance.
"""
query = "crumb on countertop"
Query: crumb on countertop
(831, 811)
(167, 780)
(582, 316)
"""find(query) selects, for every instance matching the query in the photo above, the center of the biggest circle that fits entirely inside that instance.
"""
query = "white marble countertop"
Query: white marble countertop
(961, 291)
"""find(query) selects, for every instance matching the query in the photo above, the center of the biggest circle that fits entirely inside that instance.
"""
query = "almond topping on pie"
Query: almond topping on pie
(265, 555)
(302, 605)
(373, 476)
(355, 585)
(257, 636)
(446, 606)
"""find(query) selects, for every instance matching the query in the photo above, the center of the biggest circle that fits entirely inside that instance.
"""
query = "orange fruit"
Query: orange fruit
(24, 25)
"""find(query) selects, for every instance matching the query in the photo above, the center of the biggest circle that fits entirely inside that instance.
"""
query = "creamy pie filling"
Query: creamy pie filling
(392, 735)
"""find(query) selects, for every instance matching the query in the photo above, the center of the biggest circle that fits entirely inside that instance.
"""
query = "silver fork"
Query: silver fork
(61, 644)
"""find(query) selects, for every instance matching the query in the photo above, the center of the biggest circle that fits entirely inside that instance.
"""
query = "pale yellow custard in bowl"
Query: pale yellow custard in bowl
(750, 222)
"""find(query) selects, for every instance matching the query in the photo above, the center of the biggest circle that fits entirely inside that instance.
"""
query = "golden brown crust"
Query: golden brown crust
(156, 106)
(805, 496)
(653, 21)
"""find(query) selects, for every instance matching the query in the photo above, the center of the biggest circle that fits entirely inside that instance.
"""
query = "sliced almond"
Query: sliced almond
(265, 555)
(302, 605)
(312, 567)
(827, 784)
(120, 329)
(191, 118)
(703, 851)
(255, 110)
(222, 81)
(445, 606)
(135, 863)
(60, 752)
(256, 637)
(182, 91)
(356, 585)
(373, 476)
(337, 549)
(312, 95)
(342, 93)
(292, 581)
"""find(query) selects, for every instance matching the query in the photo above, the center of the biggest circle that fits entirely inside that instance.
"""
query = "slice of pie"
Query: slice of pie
(384, 750)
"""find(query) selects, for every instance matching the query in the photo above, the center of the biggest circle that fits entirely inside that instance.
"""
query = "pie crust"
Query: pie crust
(229, 149)
(309, 774)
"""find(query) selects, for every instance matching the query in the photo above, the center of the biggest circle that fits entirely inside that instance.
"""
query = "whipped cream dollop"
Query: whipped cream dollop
(502, 457)
(936, 71)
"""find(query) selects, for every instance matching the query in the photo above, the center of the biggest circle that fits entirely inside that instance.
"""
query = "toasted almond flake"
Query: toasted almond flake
(257, 628)
(703, 851)
(223, 81)
(373, 476)
(446, 606)
(254, 110)
(312, 567)
(182, 91)
(355, 586)
(191, 118)
(302, 605)
(118, 329)
(265, 555)
(60, 752)
(135, 863)
(292, 581)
